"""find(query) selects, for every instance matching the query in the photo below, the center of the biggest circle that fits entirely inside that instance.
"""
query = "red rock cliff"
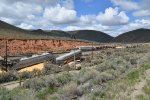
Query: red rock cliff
(35, 46)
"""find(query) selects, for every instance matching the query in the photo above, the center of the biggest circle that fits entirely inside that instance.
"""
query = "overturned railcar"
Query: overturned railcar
(68, 57)
(30, 61)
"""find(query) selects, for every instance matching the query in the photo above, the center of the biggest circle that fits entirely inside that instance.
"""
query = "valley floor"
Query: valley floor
(113, 74)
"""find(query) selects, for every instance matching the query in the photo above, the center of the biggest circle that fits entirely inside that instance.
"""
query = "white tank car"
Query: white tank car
(68, 56)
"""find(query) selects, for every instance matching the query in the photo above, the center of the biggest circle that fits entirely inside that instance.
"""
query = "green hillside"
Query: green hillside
(13, 32)
(139, 35)
(10, 31)
(91, 35)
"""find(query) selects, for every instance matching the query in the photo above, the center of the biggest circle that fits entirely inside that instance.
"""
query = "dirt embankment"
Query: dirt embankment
(36, 46)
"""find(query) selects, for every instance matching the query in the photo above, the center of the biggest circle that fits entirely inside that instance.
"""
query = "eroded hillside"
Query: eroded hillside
(35, 46)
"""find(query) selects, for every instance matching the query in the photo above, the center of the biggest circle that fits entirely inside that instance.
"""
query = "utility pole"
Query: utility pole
(92, 50)
(74, 58)
(6, 56)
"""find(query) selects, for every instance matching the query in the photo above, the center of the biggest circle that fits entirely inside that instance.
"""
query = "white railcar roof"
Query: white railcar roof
(67, 54)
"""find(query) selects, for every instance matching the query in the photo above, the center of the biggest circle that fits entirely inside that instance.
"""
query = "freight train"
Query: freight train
(90, 48)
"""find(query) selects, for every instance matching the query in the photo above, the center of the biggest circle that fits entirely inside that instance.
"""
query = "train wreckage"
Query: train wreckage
(24, 62)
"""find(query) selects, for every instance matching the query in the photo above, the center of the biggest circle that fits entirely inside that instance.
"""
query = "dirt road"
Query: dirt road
(11, 85)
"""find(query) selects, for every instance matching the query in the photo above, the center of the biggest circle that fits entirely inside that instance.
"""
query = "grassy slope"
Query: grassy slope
(123, 87)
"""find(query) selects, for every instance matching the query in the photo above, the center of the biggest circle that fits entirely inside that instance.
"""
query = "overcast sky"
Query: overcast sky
(111, 16)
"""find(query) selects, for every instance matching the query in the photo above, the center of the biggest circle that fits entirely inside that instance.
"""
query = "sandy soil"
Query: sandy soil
(31, 68)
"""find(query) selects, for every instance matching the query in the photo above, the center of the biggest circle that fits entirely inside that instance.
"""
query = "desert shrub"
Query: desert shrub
(50, 69)
(35, 84)
(113, 72)
(25, 75)
(9, 76)
(107, 64)
(127, 57)
(141, 97)
(133, 61)
(21, 94)
(97, 60)
(98, 90)
(86, 74)
(69, 91)
(47, 81)
(67, 67)
(138, 50)
(85, 64)
(85, 88)
(108, 53)
(144, 67)
(133, 75)
(50, 81)
(46, 91)
(106, 77)
(146, 88)
(63, 78)
(88, 59)
(144, 59)
(4, 94)
(104, 66)
(97, 80)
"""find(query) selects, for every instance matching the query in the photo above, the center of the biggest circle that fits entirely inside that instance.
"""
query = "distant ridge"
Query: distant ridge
(138, 35)
(13, 32)
(91, 35)
(54, 33)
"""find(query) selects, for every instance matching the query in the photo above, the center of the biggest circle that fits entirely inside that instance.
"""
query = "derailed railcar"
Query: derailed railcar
(68, 57)
(36, 59)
